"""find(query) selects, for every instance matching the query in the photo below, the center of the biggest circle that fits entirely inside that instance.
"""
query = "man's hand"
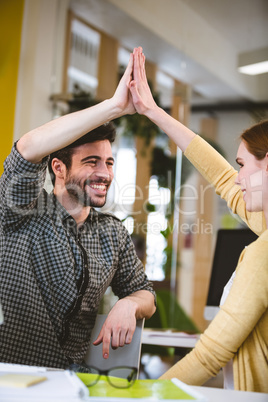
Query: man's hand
(122, 97)
(119, 326)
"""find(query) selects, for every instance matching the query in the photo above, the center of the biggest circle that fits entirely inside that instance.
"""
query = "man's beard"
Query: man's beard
(78, 193)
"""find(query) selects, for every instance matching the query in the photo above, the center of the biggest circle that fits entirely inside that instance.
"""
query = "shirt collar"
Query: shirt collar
(64, 215)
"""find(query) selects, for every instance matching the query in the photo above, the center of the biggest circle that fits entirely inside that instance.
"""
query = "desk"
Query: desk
(219, 395)
(169, 338)
(223, 395)
(58, 389)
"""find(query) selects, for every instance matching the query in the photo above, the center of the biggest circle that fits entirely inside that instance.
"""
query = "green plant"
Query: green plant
(80, 99)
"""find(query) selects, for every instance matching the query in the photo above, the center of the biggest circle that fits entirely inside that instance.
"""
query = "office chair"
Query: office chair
(128, 355)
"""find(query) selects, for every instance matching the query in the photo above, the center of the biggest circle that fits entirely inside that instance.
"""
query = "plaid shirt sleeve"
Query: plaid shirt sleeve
(130, 276)
(20, 187)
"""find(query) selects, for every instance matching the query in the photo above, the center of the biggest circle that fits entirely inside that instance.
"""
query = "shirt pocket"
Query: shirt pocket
(52, 262)
(100, 277)
(54, 273)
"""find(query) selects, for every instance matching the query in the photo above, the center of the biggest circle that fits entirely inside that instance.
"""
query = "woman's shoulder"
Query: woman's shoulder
(259, 248)
(254, 259)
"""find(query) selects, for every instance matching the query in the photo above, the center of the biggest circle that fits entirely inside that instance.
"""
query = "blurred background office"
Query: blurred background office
(61, 55)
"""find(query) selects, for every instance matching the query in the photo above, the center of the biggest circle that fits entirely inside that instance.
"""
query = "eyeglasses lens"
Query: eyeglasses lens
(122, 377)
(93, 377)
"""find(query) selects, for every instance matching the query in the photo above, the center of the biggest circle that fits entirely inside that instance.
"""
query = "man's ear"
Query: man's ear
(59, 168)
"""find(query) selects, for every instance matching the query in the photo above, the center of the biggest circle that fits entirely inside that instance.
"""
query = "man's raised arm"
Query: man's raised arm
(59, 133)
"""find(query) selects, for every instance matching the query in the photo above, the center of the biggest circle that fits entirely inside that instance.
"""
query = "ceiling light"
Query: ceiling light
(253, 63)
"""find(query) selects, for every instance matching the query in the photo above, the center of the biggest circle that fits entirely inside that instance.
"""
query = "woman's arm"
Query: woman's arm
(236, 321)
(214, 168)
(58, 133)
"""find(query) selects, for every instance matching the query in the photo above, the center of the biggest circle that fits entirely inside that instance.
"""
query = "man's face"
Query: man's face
(91, 173)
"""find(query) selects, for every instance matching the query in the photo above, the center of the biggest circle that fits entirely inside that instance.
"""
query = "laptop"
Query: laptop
(229, 245)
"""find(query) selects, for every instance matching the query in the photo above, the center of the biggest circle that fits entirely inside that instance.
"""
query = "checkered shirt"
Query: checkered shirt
(53, 277)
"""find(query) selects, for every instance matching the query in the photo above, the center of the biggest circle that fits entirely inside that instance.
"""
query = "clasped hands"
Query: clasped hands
(133, 93)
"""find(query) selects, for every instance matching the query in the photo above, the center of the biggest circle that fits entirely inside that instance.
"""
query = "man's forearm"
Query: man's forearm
(58, 133)
(120, 324)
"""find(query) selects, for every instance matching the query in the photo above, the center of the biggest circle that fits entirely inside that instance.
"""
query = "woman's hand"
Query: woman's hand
(142, 97)
(144, 103)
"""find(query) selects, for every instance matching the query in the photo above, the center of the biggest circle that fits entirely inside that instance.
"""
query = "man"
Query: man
(58, 254)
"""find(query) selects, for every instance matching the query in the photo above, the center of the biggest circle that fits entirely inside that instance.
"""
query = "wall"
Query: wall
(11, 16)
(41, 62)
(230, 126)
(32, 48)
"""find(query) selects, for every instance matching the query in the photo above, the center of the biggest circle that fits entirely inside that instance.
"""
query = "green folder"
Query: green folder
(162, 390)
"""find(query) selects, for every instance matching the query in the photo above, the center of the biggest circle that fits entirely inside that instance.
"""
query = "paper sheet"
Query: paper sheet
(60, 386)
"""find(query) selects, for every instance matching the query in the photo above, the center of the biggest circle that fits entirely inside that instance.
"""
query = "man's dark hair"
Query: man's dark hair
(104, 132)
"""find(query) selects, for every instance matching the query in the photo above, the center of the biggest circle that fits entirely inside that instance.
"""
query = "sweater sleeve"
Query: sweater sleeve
(237, 318)
(218, 172)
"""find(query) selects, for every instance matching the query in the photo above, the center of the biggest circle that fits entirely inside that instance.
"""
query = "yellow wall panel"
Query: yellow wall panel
(11, 16)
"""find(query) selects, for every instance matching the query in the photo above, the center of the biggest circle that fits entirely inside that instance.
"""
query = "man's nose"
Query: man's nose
(103, 175)
(103, 171)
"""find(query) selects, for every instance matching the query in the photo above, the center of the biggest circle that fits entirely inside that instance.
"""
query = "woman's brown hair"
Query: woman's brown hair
(256, 139)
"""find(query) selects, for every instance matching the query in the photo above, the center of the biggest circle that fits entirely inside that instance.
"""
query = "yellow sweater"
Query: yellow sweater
(240, 329)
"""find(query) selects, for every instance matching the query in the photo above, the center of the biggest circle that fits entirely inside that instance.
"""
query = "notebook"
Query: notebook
(144, 390)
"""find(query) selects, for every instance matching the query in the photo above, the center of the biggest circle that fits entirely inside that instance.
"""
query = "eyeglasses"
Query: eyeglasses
(118, 377)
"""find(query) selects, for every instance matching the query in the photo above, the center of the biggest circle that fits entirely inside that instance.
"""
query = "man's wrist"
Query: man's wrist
(132, 304)
(114, 110)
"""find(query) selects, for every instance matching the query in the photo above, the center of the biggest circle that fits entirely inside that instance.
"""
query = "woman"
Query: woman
(239, 333)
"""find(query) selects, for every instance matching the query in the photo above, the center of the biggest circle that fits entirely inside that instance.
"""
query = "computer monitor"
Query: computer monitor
(229, 245)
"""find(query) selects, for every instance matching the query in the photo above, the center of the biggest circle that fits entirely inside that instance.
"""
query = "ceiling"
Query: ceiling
(195, 41)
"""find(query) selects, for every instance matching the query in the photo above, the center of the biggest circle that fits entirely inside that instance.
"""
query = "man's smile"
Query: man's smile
(99, 187)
